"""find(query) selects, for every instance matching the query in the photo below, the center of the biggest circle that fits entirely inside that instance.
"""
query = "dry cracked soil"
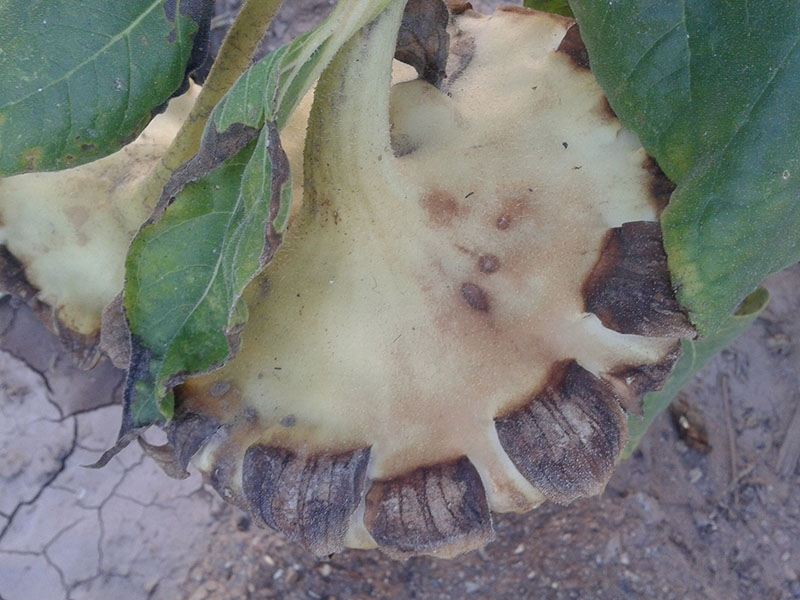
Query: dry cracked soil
(707, 508)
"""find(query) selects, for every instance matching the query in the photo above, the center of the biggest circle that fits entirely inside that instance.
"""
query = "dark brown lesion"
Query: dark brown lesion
(422, 41)
(457, 7)
(632, 382)
(629, 288)
(513, 210)
(488, 263)
(572, 45)
(567, 438)
(310, 498)
(435, 508)
(441, 207)
(661, 187)
(475, 297)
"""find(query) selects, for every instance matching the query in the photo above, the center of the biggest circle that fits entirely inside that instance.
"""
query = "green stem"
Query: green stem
(347, 143)
(233, 60)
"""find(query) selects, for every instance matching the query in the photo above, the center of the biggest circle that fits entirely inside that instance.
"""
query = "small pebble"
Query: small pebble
(292, 577)
(695, 475)
(472, 586)
(794, 588)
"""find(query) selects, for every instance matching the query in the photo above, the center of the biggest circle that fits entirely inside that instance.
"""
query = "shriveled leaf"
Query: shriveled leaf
(225, 213)
(696, 354)
(558, 7)
(191, 276)
(713, 91)
(423, 41)
(81, 79)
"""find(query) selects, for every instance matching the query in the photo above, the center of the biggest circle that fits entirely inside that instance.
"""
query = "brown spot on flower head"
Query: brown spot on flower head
(441, 207)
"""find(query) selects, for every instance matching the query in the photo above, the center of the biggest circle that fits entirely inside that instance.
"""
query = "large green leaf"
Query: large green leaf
(696, 355)
(713, 91)
(81, 78)
(226, 212)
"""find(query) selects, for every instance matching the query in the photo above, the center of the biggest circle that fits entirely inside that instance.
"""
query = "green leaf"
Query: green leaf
(186, 273)
(227, 210)
(713, 91)
(696, 354)
(558, 7)
(81, 79)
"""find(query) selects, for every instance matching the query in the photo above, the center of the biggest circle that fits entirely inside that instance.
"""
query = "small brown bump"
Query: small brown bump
(566, 440)
(572, 45)
(439, 509)
(629, 288)
(475, 296)
(513, 209)
(442, 208)
(504, 222)
(488, 263)
(77, 215)
(310, 498)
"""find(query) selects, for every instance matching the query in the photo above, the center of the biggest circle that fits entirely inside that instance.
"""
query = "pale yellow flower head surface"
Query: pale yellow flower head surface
(472, 293)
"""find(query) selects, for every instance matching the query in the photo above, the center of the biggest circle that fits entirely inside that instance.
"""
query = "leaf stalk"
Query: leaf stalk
(233, 59)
